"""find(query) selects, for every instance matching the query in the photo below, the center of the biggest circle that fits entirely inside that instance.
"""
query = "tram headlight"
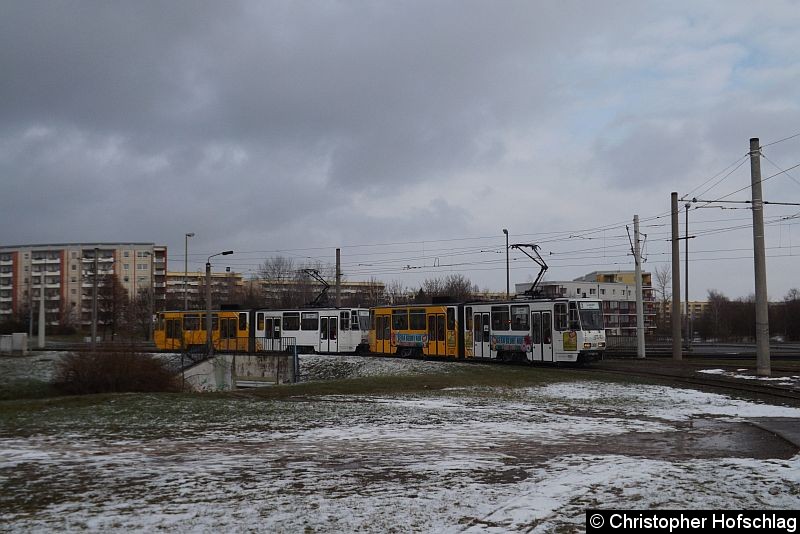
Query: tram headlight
(587, 345)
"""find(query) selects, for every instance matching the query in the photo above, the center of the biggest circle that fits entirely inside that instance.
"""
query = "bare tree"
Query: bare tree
(663, 288)
(397, 292)
(459, 287)
(112, 304)
(277, 268)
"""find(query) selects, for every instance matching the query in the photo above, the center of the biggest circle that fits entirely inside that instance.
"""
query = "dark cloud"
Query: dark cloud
(273, 125)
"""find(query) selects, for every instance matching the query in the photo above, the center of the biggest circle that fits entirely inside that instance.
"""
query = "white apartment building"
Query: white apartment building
(617, 290)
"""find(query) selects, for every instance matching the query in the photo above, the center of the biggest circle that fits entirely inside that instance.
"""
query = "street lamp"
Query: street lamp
(186, 269)
(209, 342)
(508, 278)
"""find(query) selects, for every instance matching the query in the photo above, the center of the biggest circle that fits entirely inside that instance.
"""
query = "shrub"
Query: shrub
(114, 372)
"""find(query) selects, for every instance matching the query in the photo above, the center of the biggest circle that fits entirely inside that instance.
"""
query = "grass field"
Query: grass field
(401, 446)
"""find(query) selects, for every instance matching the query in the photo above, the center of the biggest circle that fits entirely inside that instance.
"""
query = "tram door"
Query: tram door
(174, 339)
(228, 333)
(383, 334)
(436, 335)
(547, 336)
(271, 334)
(328, 334)
(536, 336)
(481, 336)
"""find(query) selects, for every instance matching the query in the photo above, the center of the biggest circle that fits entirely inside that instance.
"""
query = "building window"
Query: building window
(126, 254)
(141, 267)
(126, 266)
(126, 278)
(592, 291)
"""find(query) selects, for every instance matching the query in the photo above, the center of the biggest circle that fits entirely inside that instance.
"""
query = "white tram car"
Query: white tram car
(558, 330)
(322, 330)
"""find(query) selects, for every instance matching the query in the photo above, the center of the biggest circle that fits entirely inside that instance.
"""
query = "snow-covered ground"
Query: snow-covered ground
(746, 374)
(463, 459)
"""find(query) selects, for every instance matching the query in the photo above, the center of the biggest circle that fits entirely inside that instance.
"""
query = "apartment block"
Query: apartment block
(225, 289)
(63, 275)
(617, 291)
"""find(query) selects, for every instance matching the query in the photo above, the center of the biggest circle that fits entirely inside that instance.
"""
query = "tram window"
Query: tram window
(399, 319)
(309, 321)
(353, 321)
(160, 323)
(372, 320)
(291, 321)
(561, 316)
(344, 319)
(416, 319)
(468, 318)
(519, 317)
(259, 321)
(191, 322)
(478, 329)
(242, 321)
(440, 328)
(500, 319)
(451, 318)
(574, 323)
(363, 319)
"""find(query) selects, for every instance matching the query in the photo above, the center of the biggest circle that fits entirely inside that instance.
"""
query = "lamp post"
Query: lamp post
(508, 277)
(186, 269)
(209, 322)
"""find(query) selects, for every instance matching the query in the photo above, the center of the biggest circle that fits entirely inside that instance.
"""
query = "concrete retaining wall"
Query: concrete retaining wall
(224, 372)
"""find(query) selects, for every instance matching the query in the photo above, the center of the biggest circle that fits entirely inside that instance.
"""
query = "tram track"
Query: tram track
(688, 376)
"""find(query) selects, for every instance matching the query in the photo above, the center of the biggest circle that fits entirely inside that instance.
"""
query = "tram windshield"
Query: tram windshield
(591, 315)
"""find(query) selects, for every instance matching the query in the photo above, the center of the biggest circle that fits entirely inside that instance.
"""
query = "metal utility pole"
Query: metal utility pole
(508, 276)
(689, 332)
(676, 282)
(94, 300)
(760, 261)
(338, 278)
(637, 254)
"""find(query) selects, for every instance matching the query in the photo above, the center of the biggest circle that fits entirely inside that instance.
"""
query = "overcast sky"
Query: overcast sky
(407, 133)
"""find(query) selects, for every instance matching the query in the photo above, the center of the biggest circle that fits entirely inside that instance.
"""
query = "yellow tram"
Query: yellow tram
(185, 330)
(415, 330)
